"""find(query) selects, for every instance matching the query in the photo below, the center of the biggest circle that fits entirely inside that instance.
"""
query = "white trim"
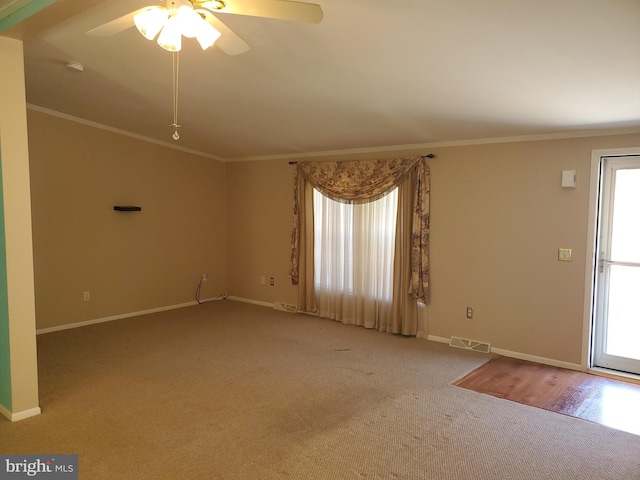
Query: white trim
(5, 412)
(433, 338)
(14, 417)
(113, 317)
(457, 143)
(136, 314)
(590, 259)
(248, 300)
(536, 359)
(521, 356)
(119, 131)
(348, 151)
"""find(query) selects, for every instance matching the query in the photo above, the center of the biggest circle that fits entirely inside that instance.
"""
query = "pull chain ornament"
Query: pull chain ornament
(175, 124)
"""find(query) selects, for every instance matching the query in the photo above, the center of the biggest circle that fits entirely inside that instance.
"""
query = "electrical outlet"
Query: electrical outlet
(86, 296)
(272, 281)
(469, 312)
(205, 277)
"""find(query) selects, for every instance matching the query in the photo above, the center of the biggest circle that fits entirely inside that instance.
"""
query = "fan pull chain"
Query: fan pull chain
(176, 68)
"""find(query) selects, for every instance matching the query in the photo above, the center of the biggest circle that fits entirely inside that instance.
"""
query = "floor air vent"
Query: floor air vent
(467, 344)
(285, 307)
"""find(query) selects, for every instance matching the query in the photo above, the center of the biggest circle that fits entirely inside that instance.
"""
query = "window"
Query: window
(362, 264)
(354, 248)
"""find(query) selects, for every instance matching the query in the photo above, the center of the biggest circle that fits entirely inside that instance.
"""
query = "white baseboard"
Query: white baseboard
(521, 356)
(113, 317)
(423, 335)
(248, 300)
(433, 338)
(14, 417)
(536, 359)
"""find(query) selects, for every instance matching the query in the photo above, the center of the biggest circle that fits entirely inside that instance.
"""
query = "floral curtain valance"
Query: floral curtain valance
(357, 181)
(367, 181)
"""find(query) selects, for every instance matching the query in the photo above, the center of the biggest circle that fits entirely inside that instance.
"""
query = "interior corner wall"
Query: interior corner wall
(129, 262)
(260, 199)
(18, 254)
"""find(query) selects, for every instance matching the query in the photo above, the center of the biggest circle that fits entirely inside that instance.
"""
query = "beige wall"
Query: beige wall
(260, 202)
(498, 217)
(130, 262)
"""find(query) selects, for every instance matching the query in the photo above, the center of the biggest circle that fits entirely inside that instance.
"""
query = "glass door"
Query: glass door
(616, 341)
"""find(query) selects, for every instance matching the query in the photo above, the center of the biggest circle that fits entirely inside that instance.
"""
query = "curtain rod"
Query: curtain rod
(431, 155)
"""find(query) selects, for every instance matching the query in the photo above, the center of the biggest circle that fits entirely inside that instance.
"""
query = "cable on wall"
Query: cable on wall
(209, 300)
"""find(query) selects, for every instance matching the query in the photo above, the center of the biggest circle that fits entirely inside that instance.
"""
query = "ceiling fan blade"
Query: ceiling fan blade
(278, 9)
(114, 26)
(229, 42)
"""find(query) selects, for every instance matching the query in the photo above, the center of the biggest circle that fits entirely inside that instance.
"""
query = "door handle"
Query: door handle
(603, 261)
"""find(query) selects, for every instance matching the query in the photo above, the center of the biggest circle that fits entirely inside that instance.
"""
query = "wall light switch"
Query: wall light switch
(564, 254)
(568, 179)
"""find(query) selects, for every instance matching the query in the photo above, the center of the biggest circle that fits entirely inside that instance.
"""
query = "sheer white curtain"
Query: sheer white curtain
(354, 258)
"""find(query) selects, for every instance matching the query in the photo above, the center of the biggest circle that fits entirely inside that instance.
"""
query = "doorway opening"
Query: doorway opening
(615, 312)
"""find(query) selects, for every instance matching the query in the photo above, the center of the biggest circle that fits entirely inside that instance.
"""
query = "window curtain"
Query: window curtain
(362, 182)
(354, 259)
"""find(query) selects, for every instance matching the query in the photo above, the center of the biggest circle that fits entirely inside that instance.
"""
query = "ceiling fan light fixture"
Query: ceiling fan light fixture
(213, 4)
(206, 34)
(150, 21)
(189, 21)
(171, 37)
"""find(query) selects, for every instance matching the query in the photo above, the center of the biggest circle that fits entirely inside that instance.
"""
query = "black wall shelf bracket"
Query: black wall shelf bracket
(127, 208)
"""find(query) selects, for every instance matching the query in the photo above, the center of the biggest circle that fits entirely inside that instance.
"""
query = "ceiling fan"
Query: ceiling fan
(206, 27)
(195, 18)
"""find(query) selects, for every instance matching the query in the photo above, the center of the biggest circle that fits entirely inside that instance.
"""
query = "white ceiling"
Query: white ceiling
(373, 74)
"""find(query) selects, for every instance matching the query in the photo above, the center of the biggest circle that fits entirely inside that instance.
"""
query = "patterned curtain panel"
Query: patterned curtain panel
(362, 182)
(420, 236)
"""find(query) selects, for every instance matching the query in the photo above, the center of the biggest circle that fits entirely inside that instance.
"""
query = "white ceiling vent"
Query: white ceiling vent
(285, 307)
(467, 344)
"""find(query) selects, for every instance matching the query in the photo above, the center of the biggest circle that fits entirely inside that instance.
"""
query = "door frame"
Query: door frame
(591, 261)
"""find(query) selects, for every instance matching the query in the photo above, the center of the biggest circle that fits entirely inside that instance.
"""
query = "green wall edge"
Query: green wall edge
(23, 13)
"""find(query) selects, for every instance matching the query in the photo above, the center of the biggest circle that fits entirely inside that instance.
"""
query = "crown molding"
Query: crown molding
(119, 131)
(416, 147)
(455, 143)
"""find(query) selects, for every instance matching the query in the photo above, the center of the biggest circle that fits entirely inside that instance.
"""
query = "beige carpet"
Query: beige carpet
(236, 391)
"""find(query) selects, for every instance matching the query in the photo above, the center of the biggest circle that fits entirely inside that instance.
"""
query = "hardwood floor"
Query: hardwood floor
(610, 402)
